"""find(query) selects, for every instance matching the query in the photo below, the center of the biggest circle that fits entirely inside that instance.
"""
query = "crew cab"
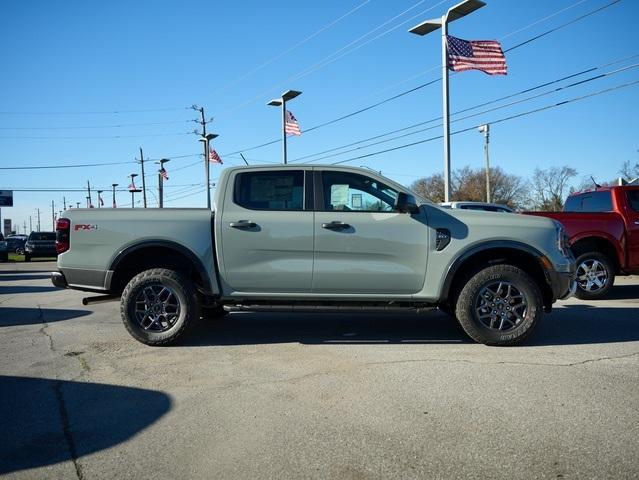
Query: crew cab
(603, 226)
(316, 238)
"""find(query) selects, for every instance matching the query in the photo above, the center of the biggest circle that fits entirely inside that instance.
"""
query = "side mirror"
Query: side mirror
(406, 203)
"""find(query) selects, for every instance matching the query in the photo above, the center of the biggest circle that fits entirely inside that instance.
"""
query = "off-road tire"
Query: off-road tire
(607, 265)
(183, 289)
(467, 301)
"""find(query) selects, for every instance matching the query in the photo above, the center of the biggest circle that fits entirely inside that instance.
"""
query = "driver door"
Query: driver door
(362, 245)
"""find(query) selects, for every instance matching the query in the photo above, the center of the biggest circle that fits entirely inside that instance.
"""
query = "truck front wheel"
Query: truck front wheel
(158, 306)
(500, 305)
(595, 276)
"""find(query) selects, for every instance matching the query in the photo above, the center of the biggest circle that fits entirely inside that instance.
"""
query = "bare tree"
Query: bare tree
(468, 184)
(550, 187)
(629, 171)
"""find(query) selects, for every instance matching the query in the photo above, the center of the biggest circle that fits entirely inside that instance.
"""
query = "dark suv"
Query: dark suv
(40, 244)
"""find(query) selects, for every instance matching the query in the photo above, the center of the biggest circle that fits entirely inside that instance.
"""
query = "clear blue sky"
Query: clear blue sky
(74, 56)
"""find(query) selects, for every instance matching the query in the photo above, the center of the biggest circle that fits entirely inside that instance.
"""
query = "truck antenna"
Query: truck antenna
(593, 181)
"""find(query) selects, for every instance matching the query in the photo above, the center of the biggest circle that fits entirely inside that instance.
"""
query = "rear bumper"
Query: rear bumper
(81, 279)
(58, 280)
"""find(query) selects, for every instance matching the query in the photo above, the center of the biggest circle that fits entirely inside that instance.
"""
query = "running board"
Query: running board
(327, 308)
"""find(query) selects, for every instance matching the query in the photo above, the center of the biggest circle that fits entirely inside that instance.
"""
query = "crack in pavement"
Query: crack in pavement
(62, 407)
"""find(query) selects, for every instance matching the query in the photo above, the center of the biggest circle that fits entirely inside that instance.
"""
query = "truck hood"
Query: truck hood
(500, 219)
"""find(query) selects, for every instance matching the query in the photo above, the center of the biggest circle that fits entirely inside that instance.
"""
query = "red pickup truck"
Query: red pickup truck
(603, 226)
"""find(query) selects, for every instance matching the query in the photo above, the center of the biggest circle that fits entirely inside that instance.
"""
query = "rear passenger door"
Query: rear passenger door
(266, 232)
(632, 197)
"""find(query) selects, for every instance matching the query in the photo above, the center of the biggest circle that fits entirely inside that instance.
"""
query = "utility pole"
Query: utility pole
(64, 201)
(53, 214)
(485, 129)
(89, 195)
(38, 219)
(30, 225)
(143, 180)
(205, 139)
(24, 224)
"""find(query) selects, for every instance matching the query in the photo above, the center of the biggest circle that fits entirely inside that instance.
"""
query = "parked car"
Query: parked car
(316, 238)
(40, 244)
(487, 207)
(603, 225)
(16, 243)
(4, 250)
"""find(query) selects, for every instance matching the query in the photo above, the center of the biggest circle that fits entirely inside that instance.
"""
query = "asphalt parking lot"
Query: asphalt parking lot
(313, 396)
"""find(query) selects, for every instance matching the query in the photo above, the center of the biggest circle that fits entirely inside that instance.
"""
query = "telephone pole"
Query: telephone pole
(53, 214)
(205, 139)
(64, 201)
(89, 195)
(38, 219)
(143, 180)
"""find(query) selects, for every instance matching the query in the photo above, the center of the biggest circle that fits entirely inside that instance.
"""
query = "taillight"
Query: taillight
(62, 229)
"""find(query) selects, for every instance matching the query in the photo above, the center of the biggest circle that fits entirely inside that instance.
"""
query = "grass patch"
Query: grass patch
(14, 257)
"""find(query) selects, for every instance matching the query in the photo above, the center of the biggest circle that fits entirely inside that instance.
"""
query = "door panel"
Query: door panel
(361, 244)
(266, 248)
(632, 196)
(381, 253)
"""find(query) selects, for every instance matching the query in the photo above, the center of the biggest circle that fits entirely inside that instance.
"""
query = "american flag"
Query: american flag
(101, 201)
(214, 157)
(484, 55)
(290, 124)
(163, 174)
(132, 186)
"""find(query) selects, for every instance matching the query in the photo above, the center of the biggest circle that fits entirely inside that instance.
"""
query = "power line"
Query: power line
(492, 122)
(527, 90)
(95, 112)
(82, 165)
(290, 49)
(431, 82)
(40, 137)
(98, 126)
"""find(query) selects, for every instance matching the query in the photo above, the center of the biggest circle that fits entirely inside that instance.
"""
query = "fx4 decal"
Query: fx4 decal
(84, 226)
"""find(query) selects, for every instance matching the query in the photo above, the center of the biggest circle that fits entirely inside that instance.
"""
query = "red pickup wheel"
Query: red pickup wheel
(159, 306)
(595, 276)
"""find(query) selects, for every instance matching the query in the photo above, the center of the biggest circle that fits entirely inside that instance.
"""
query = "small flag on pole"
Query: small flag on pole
(101, 201)
(290, 124)
(132, 186)
(114, 205)
(484, 55)
(163, 174)
(214, 157)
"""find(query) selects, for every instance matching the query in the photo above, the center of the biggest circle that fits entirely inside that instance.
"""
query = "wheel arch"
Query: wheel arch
(157, 254)
(598, 243)
(485, 254)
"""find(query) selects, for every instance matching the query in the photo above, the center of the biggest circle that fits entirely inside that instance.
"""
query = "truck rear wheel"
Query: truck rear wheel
(158, 306)
(595, 276)
(500, 305)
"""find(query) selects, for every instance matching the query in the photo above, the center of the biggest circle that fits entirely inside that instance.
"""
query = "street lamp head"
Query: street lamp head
(484, 128)
(133, 175)
(464, 8)
(208, 136)
(290, 95)
(114, 185)
(276, 102)
(426, 27)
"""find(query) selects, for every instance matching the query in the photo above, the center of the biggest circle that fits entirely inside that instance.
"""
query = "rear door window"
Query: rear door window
(270, 190)
(589, 202)
(633, 199)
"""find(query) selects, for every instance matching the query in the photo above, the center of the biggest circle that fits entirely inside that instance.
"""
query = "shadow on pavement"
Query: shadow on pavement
(11, 317)
(571, 325)
(46, 421)
(584, 324)
(325, 328)
(14, 289)
(622, 292)
(25, 276)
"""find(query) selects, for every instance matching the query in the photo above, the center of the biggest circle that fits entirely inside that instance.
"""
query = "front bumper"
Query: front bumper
(563, 284)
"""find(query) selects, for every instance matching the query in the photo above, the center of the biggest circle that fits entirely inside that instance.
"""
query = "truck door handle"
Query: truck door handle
(243, 224)
(335, 225)
(636, 222)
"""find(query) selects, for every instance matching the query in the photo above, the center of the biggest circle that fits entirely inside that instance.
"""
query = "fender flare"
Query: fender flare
(461, 258)
(193, 258)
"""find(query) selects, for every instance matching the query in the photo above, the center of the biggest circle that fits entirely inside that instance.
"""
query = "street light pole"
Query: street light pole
(143, 180)
(161, 182)
(485, 129)
(113, 185)
(454, 13)
(276, 102)
(206, 140)
(133, 190)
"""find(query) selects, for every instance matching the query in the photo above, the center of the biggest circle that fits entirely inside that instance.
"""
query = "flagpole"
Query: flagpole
(446, 105)
(284, 130)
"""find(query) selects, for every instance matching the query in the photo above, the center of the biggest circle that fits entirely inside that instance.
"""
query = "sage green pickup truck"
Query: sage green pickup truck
(316, 238)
